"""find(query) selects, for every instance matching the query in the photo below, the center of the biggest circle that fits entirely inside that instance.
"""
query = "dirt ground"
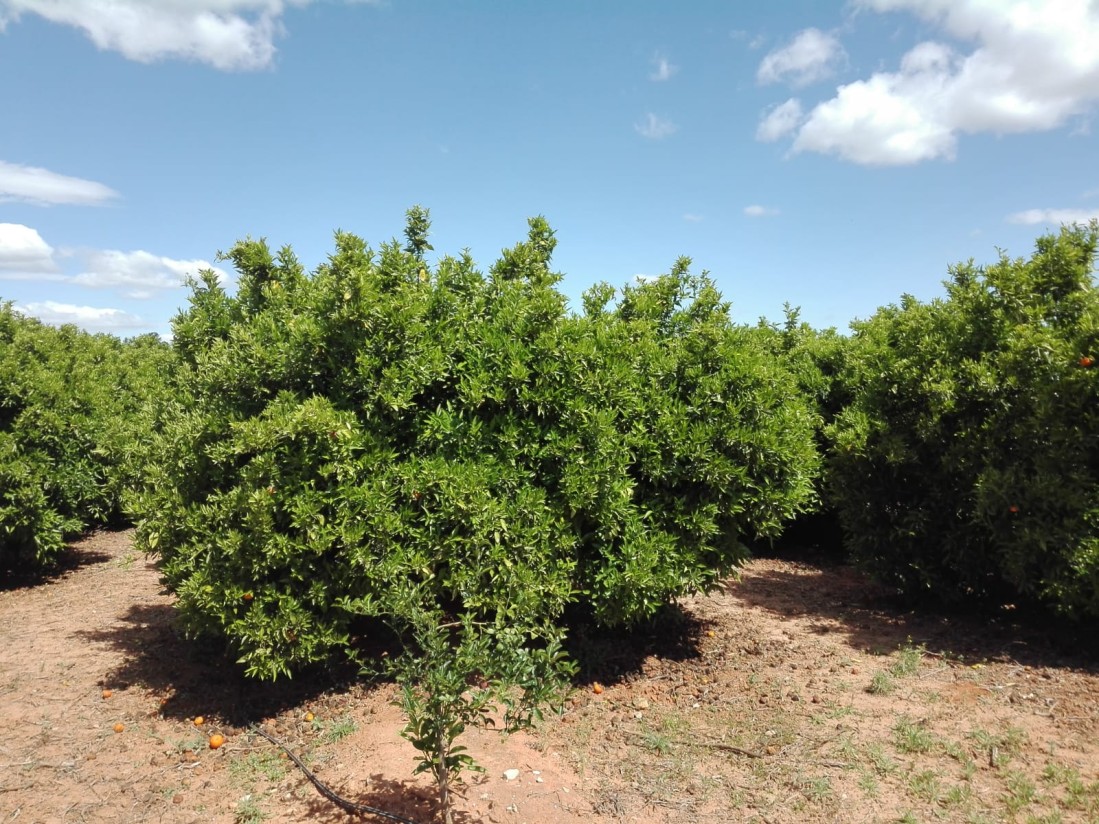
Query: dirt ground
(797, 694)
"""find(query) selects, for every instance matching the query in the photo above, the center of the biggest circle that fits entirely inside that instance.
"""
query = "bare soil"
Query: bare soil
(800, 693)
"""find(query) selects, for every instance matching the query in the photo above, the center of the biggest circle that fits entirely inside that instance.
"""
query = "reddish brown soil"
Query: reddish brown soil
(751, 705)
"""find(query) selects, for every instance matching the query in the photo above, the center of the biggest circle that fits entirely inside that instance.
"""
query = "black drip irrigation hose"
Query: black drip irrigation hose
(328, 792)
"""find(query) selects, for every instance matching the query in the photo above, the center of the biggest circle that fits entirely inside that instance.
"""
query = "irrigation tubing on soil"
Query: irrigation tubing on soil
(328, 792)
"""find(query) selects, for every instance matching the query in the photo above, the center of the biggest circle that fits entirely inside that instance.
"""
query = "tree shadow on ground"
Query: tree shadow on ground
(401, 798)
(199, 677)
(874, 619)
(74, 557)
(613, 655)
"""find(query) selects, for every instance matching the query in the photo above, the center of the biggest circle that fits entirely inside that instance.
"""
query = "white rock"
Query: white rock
(511, 775)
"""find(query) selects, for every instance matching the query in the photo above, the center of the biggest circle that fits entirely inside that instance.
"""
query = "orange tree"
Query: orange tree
(967, 464)
(456, 455)
(73, 410)
(817, 359)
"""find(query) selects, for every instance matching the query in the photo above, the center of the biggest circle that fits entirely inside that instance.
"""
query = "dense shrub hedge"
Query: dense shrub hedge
(966, 465)
(385, 437)
(817, 359)
(73, 410)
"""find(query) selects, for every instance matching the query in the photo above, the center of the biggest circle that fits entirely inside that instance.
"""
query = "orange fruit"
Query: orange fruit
(119, 727)
(247, 596)
(309, 716)
(1013, 508)
(216, 741)
(199, 721)
(107, 693)
(597, 688)
(1086, 361)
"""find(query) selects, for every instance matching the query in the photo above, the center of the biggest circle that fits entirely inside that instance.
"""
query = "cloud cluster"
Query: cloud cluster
(811, 56)
(226, 34)
(139, 274)
(655, 127)
(31, 184)
(24, 255)
(755, 210)
(663, 69)
(92, 318)
(1033, 217)
(779, 121)
(1031, 66)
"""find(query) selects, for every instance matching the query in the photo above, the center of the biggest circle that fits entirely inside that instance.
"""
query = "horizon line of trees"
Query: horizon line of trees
(953, 440)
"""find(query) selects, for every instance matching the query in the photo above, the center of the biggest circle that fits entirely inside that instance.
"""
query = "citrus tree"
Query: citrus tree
(817, 359)
(74, 415)
(967, 464)
(451, 458)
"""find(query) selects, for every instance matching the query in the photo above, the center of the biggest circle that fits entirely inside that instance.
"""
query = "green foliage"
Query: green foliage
(457, 457)
(73, 410)
(342, 435)
(966, 465)
(444, 688)
(817, 360)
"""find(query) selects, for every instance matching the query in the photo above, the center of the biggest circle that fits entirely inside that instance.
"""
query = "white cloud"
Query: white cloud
(877, 122)
(755, 210)
(92, 318)
(663, 69)
(1031, 217)
(655, 128)
(780, 121)
(753, 42)
(41, 186)
(811, 56)
(24, 254)
(137, 274)
(226, 34)
(1034, 66)
(690, 217)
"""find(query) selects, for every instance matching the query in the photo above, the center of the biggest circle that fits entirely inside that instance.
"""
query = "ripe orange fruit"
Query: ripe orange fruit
(1013, 509)
(107, 693)
(216, 741)
(119, 727)
(247, 596)
(309, 716)
(597, 688)
(1086, 361)
(199, 721)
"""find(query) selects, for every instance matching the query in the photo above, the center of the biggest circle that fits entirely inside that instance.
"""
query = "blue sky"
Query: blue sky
(835, 155)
